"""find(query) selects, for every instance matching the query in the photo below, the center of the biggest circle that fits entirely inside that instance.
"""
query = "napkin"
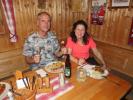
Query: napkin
(20, 83)
(94, 74)
(41, 72)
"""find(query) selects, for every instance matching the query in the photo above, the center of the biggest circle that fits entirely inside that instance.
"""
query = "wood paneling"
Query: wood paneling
(116, 27)
(117, 58)
(11, 61)
(112, 39)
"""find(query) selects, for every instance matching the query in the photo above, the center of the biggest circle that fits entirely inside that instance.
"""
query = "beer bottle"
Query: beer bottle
(67, 70)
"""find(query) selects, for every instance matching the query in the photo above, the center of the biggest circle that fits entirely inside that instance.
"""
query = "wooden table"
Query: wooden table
(112, 88)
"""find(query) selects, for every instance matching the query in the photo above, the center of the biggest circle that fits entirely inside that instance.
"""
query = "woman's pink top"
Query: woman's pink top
(79, 51)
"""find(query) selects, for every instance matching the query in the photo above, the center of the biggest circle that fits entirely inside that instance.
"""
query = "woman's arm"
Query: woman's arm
(99, 56)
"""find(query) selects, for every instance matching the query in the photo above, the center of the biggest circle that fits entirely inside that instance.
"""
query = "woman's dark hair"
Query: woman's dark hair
(86, 35)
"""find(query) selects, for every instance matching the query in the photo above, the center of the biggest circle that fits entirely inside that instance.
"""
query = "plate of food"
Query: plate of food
(96, 72)
(4, 89)
(54, 67)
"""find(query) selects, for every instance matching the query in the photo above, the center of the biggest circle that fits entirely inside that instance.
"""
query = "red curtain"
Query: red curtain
(10, 18)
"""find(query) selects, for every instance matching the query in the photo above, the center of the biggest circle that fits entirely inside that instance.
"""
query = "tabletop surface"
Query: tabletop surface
(110, 88)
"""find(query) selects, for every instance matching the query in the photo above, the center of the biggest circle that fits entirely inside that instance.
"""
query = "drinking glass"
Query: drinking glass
(81, 74)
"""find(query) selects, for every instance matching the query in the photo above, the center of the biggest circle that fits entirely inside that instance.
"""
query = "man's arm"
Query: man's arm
(32, 59)
(29, 60)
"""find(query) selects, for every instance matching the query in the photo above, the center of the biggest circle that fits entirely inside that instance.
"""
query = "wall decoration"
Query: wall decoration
(120, 3)
(130, 40)
(7, 6)
(98, 11)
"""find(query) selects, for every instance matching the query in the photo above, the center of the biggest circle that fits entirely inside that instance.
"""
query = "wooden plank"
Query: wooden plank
(117, 58)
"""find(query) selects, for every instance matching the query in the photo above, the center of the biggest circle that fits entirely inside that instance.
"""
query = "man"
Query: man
(41, 47)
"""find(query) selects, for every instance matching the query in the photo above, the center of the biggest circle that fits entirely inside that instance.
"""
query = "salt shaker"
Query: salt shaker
(10, 95)
(61, 79)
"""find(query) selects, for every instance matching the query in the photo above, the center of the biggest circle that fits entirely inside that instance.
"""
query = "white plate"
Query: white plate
(54, 67)
(98, 75)
(94, 74)
(5, 92)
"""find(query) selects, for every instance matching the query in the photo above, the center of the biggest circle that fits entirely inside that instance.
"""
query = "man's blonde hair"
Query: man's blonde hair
(43, 13)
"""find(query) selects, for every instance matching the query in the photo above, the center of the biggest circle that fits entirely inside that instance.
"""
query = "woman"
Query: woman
(79, 44)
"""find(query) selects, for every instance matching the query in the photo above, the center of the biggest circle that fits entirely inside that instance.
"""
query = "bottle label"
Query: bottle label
(67, 72)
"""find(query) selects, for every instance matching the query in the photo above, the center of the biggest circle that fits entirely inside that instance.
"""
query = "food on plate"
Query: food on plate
(96, 75)
(99, 69)
(2, 88)
(55, 67)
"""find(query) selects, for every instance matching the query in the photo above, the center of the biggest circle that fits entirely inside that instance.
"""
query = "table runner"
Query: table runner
(57, 90)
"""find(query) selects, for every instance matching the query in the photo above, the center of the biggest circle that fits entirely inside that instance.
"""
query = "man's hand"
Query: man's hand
(36, 58)
(64, 50)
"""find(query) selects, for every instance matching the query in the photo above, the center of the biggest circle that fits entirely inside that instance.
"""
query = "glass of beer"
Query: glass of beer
(81, 74)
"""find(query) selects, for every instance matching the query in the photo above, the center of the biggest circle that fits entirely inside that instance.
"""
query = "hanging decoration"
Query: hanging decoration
(10, 18)
(130, 40)
(98, 11)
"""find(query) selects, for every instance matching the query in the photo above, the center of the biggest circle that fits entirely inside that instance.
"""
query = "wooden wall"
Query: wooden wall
(111, 37)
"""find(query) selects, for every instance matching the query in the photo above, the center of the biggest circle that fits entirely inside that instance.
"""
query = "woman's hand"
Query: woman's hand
(81, 61)
(104, 67)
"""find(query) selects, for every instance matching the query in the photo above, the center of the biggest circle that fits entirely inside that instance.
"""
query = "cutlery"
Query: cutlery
(33, 81)
(11, 85)
(27, 82)
(24, 83)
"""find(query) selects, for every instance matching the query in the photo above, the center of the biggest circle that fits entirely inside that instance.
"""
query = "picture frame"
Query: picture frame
(120, 3)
